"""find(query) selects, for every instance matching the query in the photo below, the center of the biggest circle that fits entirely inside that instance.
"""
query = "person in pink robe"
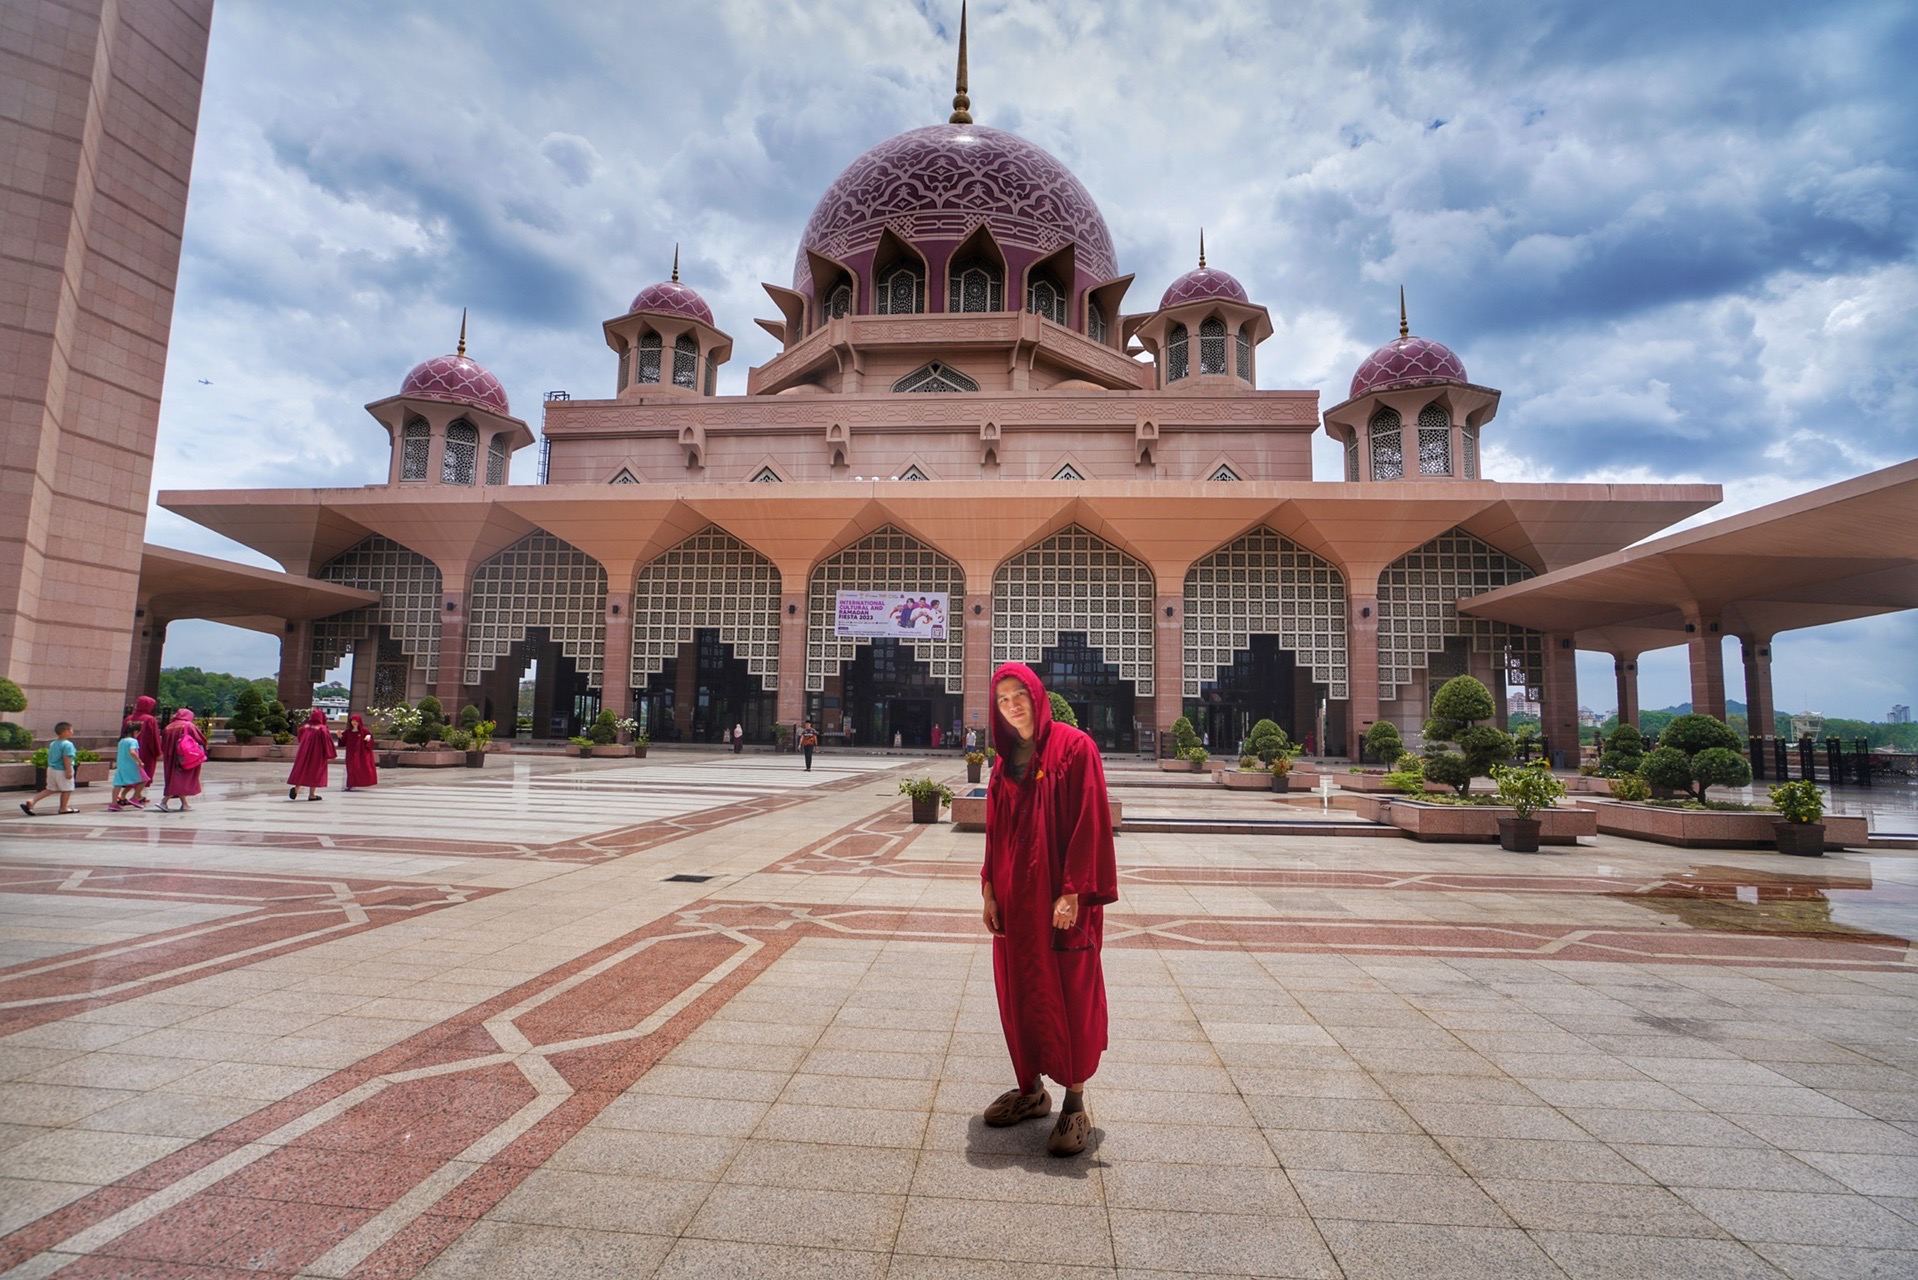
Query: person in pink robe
(144, 728)
(1049, 874)
(362, 761)
(311, 757)
(182, 780)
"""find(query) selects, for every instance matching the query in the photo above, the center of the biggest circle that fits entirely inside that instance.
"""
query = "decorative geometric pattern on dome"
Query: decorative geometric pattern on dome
(1264, 584)
(1418, 612)
(944, 180)
(1200, 283)
(457, 380)
(1075, 581)
(409, 607)
(539, 581)
(1407, 362)
(710, 580)
(673, 298)
(887, 559)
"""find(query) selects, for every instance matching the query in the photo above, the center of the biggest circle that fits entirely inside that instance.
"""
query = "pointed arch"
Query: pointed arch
(686, 362)
(409, 608)
(887, 559)
(976, 274)
(1212, 345)
(1435, 441)
(1388, 445)
(1177, 357)
(899, 277)
(1418, 611)
(711, 580)
(539, 581)
(1075, 581)
(1263, 583)
(416, 444)
(651, 349)
(459, 456)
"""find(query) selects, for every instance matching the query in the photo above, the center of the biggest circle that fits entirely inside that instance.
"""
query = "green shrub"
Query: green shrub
(1720, 767)
(274, 721)
(1408, 775)
(1528, 788)
(1694, 754)
(1457, 708)
(14, 737)
(1623, 750)
(1666, 769)
(605, 729)
(469, 716)
(1062, 710)
(11, 699)
(1267, 741)
(432, 725)
(458, 739)
(1799, 801)
(1631, 787)
(80, 756)
(1693, 733)
(1184, 736)
(248, 719)
(1383, 743)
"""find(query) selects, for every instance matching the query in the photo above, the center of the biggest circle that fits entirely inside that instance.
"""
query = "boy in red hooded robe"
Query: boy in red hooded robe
(1049, 874)
(311, 757)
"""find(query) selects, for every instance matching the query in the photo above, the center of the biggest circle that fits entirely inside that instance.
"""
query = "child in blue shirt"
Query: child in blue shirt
(61, 758)
(128, 776)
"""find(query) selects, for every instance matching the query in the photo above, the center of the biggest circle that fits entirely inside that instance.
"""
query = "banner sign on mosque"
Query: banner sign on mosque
(903, 615)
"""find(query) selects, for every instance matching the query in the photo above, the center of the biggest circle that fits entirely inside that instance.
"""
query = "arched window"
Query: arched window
(1388, 452)
(902, 291)
(1471, 453)
(1045, 298)
(1212, 345)
(1435, 441)
(1095, 321)
(461, 458)
(625, 367)
(1245, 355)
(975, 285)
(935, 377)
(416, 439)
(685, 361)
(496, 461)
(650, 347)
(1175, 353)
(839, 301)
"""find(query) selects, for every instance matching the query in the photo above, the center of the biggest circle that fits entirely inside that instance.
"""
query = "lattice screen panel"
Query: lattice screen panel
(885, 560)
(539, 581)
(1265, 584)
(1418, 612)
(1075, 581)
(409, 607)
(710, 580)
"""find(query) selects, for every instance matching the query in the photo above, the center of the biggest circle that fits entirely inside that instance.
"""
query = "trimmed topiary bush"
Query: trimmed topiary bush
(1720, 767)
(605, 729)
(1623, 750)
(1062, 710)
(248, 720)
(1383, 743)
(469, 716)
(1457, 709)
(274, 722)
(1267, 741)
(11, 699)
(1695, 753)
(1184, 736)
(432, 725)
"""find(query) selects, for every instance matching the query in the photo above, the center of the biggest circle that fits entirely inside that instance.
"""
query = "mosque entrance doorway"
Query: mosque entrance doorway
(702, 693)
(563, 702)
(1260, 683)
(888, 691)
(1100, 700)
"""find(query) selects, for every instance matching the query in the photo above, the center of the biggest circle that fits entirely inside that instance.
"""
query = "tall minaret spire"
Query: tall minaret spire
(1202, 248)
(462, 350)
(675, 264)
(1405, 330)
(961, 104)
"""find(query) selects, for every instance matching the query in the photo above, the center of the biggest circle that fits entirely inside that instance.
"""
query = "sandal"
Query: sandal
(1013, 1106)
(1070, 1133)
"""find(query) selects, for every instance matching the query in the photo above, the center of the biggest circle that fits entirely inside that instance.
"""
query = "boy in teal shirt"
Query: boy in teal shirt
(61, 759)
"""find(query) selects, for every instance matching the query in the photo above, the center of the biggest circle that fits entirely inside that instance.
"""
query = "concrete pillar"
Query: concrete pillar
(296, 665)
(1759, 708)
(1362, 661)
(1168, 656)
(143, 667)
(1558, 701)
(1625, 672)
(616, 661)
(976, 708)
(792, 656)
(452, 669)
(366, 661)
(1706, 643)
(686, 687)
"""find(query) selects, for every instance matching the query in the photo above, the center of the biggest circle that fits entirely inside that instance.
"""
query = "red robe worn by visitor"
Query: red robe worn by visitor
(181, 781)
(315, 750)
(144, 728)
(362, 765)
(1048, 834)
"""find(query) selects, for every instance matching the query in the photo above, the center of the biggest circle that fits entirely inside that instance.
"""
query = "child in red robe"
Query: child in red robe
(362, 762)
(310, 758)
(1049, 873)
(144, 728)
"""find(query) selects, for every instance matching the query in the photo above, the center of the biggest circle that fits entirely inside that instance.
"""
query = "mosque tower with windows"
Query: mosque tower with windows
(451, 424)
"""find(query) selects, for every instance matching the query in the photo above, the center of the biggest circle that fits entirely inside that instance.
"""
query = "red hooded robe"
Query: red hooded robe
(362, 761)
(315, 750)
(142, 726)
(1049, 833)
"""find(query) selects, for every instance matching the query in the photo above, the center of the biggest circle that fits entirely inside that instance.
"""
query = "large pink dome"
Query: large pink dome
(1200, 283)
(937, 183)
(673, 298)
(1407, 362)
(458, 379)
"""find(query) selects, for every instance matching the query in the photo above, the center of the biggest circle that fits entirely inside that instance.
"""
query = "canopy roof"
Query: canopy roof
(175, 585)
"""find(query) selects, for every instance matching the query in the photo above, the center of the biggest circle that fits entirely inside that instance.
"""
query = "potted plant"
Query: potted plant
(1273, 752)
(482, 735)
(928, 798)
(394, 722)
(583, 744)
(975, 761)
(1527, 788)
(460, 740)
(629, 729)
(1801, 804)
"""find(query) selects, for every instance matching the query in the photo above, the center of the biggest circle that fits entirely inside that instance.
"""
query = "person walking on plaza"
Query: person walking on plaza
(146, 728)
(808, 739)
(938, 737)
(128, 776)
(311, 758)
(62, 771)
(183, 751)
(739, 738)
(362, 763)
(1049, 874)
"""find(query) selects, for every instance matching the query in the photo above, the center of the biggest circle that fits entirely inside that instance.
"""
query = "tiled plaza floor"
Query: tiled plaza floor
(707, 1015)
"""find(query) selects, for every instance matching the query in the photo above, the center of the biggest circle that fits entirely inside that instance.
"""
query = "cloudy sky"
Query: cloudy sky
(1678, 236)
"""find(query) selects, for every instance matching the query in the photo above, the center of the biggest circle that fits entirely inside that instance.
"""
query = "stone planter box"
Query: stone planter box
(237, 750)
(88, 772)
(16, 777)
(611, 752)
(969, 811)
(925, 812)
(1365, 783)
(389, 744)
(1713, 828)
(430, 760)
(1233, 780)
(1473, 822)
(1180, 766)
(1580, 785)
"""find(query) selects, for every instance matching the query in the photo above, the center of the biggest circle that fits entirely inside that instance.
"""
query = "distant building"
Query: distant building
(1900, 714)
(1589, 719)
(1808, 724)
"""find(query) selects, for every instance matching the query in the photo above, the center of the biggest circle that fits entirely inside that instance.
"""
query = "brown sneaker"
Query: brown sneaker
(1070, 1133)
(1012, 1106)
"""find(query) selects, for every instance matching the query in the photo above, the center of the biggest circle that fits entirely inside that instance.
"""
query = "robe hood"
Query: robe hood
(1004, 737)
(143, 705)
(316, 716)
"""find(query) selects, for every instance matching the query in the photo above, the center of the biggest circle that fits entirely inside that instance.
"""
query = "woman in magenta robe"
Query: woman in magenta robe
(310, 758)
(1049, 874)
(145, 729)
(362, 765)
(182, 780)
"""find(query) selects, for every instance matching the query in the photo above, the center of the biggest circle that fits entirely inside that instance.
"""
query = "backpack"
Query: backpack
(190, 753)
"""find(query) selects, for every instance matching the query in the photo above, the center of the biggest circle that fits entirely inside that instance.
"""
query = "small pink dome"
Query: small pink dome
(674, 298)
(458, 379)
(1407, 362)
(1200, 283)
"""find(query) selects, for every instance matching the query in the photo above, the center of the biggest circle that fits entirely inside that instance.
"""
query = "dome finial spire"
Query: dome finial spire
(462, 350)
(1202, 248)
(1405, 330)
(675, 264)
(961, 104)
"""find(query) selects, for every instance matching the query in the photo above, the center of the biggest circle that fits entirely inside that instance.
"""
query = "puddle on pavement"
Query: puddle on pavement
(1721, 899)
